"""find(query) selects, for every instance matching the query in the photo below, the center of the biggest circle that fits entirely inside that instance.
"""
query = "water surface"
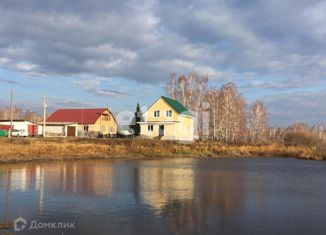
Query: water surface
(168, 196)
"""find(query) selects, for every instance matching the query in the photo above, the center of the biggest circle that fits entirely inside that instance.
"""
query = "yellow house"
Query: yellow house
(168, 119)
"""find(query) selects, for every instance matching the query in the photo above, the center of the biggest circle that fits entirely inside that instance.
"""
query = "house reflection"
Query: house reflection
(219, 196)
(184, 195)
(86, 178)
(83, 178)
(24, 178)
(159, 186)
(189, 200)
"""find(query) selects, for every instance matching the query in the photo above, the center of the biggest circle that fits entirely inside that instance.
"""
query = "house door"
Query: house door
(161, 130)
(71, 131)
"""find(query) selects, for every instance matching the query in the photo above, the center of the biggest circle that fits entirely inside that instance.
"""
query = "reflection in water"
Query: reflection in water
(162, 185)
(172, 196)
(82, 178)
(217, 194)
(6, 214)
(187, 200)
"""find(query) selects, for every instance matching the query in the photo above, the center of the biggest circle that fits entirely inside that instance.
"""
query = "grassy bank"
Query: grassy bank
(19, 149)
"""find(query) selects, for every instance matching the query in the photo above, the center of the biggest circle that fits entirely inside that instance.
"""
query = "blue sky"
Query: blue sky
(115, 53)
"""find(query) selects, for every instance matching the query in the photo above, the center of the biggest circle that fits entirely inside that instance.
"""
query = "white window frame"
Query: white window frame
(157, 113)
(168, 111)
(150, 128)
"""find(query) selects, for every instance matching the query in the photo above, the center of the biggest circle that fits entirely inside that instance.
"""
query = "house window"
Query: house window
(150, 127)
(156, 113)
(168, 113)
(86, 128)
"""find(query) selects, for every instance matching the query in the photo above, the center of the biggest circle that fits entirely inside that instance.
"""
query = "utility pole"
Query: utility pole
(11, 112)
(83, 131)
(44, 115)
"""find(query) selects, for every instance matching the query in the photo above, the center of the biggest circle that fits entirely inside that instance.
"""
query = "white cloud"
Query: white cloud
(25, 67)
(95, 86)
(4, 61)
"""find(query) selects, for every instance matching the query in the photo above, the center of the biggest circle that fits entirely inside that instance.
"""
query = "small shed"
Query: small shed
(5, 127)
(30, 127)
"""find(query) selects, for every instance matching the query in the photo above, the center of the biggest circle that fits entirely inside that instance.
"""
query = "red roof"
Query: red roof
(5, 127)
(83, 116)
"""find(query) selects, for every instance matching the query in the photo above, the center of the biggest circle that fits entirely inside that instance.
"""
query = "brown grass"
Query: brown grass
(19, 149)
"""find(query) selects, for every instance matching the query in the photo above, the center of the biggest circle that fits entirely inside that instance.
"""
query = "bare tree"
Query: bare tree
(190, 91)
(258, 127)
(32, 116)
(231, 117)
(212, 97)
(236, 115)
(5, 113)
(19, 114)
(276, 134)
(299, 126)
(319, 129)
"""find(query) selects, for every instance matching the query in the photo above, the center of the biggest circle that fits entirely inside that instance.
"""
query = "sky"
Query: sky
(103, 53)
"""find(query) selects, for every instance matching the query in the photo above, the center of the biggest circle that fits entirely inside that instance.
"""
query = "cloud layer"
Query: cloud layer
(262, 45)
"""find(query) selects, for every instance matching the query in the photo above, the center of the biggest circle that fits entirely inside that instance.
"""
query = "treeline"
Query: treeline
(18, 113)
(222, 115)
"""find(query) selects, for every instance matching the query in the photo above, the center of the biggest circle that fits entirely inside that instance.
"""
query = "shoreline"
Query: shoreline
(130, 157)
(19, 150)
(88, 158)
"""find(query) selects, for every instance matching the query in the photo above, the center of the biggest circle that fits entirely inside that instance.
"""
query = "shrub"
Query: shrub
(300, 138)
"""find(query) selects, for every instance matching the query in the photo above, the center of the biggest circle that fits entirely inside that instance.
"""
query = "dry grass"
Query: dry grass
(19, 149)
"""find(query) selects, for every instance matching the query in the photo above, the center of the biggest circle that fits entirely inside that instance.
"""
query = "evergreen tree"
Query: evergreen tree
(138, 118)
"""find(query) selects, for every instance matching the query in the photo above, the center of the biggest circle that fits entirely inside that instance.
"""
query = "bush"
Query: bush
(300, 138)
(321, 149)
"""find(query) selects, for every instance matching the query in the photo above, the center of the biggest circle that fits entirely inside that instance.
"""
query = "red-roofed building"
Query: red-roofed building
(30, 128)
(81, 122)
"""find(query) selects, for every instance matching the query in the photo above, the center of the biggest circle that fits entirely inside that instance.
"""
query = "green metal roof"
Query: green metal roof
(177, 106)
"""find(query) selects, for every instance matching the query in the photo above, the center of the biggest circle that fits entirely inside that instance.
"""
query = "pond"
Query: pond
(165, 196)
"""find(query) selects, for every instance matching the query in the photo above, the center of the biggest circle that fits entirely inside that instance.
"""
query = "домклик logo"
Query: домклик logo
(20, 224)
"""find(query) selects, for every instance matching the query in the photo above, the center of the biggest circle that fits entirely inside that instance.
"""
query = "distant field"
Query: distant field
(34, 149)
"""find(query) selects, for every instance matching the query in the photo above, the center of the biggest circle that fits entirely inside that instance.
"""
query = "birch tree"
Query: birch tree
(212, 98)
(32, 116)
(18, 113)
(319, 129)
(231, 114)
(258, 127)
(190, 91)
(5, 113)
